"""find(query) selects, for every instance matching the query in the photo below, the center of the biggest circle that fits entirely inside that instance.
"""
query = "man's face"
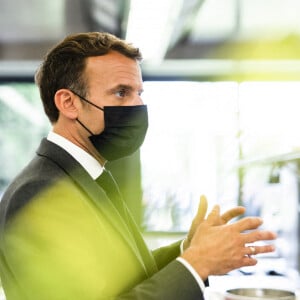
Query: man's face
(113, 80)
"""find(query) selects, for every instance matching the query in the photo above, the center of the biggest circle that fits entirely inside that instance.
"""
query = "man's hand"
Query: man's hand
(216, 247)
(200, 216)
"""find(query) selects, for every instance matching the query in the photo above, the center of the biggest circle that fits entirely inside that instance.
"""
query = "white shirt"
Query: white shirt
(87, 161)
(94, 168)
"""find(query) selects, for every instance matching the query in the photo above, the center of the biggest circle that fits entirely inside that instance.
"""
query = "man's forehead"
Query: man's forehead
(114, 74)
(121, 66)
(112, 57)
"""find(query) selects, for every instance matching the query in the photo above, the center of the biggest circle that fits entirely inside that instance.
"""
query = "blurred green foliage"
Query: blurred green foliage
(20, 133)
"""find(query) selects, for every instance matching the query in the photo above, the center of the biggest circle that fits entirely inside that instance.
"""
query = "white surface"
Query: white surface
(219, 284)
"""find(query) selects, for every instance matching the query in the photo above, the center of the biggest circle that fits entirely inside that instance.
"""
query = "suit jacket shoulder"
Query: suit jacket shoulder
(81, 243)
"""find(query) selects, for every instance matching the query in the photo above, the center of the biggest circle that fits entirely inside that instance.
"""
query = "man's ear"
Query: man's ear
(66, 103)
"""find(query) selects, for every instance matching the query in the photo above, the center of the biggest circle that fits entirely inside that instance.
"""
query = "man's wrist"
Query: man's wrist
(193, 272)
(191, 255)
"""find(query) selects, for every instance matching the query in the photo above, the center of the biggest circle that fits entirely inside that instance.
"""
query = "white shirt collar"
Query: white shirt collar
(88, 162)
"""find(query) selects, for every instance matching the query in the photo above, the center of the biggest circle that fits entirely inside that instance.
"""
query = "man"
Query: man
(65, 230)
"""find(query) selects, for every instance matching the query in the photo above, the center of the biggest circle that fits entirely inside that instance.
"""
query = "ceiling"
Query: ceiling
(170, 33)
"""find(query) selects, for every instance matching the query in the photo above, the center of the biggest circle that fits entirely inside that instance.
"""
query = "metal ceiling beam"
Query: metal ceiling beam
(184, 22)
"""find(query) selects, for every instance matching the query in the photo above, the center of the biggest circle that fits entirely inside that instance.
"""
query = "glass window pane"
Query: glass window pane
(190, 125)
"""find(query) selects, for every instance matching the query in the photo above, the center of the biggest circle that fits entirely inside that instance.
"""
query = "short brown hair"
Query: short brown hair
(64, 65)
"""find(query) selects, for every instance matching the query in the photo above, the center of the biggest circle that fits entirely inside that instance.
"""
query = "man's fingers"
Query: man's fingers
(257, 235)
(202, 209)
(232, 213)
(213, 217)
(254, 250)
(248, 223)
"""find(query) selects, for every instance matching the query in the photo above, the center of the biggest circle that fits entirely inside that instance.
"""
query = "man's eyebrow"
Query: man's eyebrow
(120, 87)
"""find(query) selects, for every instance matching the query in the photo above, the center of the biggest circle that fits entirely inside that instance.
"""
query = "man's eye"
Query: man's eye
(121, 93)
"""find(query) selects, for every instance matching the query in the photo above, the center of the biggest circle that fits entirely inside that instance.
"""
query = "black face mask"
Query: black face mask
(124, 131)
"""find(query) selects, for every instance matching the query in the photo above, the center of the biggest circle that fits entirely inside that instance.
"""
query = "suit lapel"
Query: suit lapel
(72, 168)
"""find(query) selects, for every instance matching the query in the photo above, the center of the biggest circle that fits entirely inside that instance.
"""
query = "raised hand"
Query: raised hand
(217, 247)
(200, 216)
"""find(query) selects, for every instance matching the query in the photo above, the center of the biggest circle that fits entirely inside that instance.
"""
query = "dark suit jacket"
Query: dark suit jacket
(62, 238)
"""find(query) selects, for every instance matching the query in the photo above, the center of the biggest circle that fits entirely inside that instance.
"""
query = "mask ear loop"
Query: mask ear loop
(88, 101)
(84, 126)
